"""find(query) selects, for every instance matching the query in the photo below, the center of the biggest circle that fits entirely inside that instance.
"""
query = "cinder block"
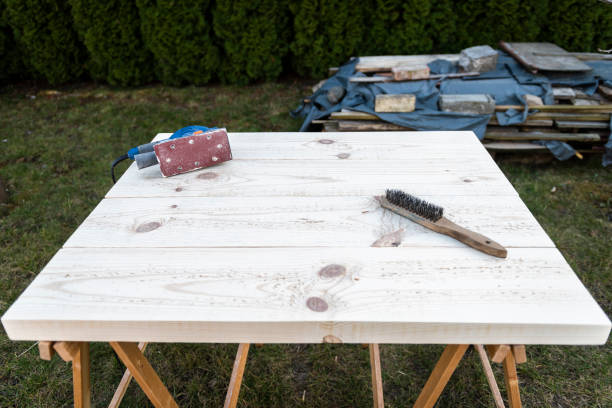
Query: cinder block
(480, 58)
(394, 103)
(533, 100)
(403, 73)
(480, 104)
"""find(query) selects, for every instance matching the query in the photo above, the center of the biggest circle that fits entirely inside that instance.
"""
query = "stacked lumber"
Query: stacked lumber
(579, 119)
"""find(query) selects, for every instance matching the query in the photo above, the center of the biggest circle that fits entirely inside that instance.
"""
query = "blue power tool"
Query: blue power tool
(144, 155)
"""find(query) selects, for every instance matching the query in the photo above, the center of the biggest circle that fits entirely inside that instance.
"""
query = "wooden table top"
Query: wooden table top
(275, 246)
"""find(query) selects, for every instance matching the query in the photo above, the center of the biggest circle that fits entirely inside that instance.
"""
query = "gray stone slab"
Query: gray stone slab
(472, 103)
(480, 58)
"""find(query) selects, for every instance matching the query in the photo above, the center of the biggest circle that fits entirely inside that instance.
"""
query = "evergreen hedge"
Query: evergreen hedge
(254, 35)
(110, 30)
(45, 35)
(240, 41)
(180, 36)
(327, 33)
(11, 64)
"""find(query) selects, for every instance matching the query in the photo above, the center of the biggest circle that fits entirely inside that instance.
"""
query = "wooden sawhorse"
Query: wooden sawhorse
(138, 367)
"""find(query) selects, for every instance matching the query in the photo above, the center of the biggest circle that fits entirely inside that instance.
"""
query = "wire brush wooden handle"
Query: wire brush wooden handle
(447, 227)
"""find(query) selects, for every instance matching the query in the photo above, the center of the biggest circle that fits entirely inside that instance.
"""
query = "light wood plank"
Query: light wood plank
(296, 221)
(124, 383)
(386, 62)
(512, 382)
(144, 374)
(438, 295)
(377, 385)
(233, 390)
(446, 365)
(497, 398)
(339, 177)
(509, 135)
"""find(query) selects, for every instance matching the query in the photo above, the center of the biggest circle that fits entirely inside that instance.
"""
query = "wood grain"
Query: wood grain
(438, 295)
(296, 222)
(274, 247)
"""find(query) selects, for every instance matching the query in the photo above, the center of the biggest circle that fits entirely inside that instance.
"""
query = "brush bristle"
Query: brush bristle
(414, 204)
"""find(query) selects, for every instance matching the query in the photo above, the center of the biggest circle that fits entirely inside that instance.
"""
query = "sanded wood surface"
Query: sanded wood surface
(286, 244)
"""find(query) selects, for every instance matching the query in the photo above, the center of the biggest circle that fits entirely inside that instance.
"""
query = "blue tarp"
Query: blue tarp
(507, 83)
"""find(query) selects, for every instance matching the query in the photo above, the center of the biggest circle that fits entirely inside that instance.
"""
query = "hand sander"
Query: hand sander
(190, 148)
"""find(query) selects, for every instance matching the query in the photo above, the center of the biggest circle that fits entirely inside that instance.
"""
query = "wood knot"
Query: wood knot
(326, 141)
(148, 226)
(332, 271)
(209, 175)
(316, 304)
(178, 189)
(332, 339)
(467, 180)
(343, 155)
(173, 206)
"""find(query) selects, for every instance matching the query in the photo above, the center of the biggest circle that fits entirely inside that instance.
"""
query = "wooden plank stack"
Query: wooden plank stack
(577, 118)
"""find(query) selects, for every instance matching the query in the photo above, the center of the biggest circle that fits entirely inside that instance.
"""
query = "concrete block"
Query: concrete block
(479, 103)
(481, 58)
(394, 103)
(533, 100)
(403, 73)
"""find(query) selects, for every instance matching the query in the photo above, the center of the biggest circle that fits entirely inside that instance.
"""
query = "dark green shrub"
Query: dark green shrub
(179, 35)
(43, 30)
(11, 64)
(111, 32)
(327, 33)
(410, 27)
(576, 24)
(255, 35)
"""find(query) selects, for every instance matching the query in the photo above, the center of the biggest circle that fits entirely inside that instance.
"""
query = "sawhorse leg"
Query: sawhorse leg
(78, 354)
(377, 388)
(124, 383)
(233, 390)
(144, 374)
(452, 355)
(440, 375)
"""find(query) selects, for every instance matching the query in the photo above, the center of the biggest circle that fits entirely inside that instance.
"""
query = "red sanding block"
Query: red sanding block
(188, 153)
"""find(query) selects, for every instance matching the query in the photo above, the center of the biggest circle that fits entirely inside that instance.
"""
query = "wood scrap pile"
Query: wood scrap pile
(576, 117)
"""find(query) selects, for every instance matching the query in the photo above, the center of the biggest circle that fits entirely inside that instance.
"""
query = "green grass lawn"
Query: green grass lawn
(54, 155)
